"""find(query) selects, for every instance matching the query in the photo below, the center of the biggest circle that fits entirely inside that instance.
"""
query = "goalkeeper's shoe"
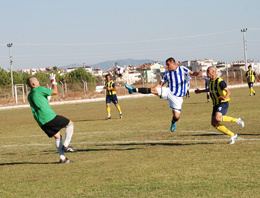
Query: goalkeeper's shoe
(65, 161)
(240, 122)
(68, 149)
(173, 126)
(130, 89)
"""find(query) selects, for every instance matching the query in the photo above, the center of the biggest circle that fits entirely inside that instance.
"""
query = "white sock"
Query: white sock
(68, 134)
(59, 145)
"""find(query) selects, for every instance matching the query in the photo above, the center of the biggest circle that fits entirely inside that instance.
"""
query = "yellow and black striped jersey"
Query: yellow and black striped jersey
(216, 89)
(251, 76)
(110, 84)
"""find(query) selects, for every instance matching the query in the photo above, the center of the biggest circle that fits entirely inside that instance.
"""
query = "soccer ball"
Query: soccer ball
(119, 71)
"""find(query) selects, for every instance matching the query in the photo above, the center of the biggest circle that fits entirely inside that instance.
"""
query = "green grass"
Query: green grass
(136, 156)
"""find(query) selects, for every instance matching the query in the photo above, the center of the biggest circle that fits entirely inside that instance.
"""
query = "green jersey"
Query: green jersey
(39, 103)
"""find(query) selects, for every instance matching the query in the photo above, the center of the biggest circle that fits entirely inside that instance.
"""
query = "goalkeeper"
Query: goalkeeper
(47, 119)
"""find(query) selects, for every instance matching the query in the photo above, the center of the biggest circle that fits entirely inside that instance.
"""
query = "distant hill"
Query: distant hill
(109, 64)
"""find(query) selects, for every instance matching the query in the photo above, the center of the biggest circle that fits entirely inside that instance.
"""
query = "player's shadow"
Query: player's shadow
(104, 149)
(247, 134)
(205, 135)
(22, 163)
(138, 144)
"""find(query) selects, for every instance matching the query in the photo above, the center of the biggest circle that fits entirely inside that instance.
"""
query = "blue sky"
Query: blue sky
(62, 32)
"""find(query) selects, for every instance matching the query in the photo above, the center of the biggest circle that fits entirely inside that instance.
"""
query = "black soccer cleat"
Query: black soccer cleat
(68, 149)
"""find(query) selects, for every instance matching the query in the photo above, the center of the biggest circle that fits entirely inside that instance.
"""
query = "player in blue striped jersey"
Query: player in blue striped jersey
(177, 79)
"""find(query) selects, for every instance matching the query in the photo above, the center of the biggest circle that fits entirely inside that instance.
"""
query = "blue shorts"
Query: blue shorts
(111, 98)
(222, 108)
(250, 84)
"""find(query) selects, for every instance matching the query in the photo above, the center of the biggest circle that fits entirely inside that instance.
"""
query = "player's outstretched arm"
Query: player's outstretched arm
(195, 73)
(54, 84)
(198, 91)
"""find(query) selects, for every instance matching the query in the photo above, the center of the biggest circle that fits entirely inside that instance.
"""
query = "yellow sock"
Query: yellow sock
(108, 111)
(118, 108)
(228, 119)
(224, 129)
(253, 91)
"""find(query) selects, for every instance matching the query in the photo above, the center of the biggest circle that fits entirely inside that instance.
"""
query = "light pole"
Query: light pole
(11, 65)
(245, 47)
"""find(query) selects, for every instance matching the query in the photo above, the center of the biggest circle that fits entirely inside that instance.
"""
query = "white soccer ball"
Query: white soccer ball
(119, 71)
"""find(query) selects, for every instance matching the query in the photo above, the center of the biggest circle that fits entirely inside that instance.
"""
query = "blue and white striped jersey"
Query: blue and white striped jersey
(177, 80)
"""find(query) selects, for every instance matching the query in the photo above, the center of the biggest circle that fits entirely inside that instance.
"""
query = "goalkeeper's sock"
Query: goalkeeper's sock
(143, 90)
(224, 129)
(68, 134)
(59, 146)
(228, 119)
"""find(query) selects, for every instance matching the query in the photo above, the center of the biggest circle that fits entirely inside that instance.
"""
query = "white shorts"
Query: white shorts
(174, 101)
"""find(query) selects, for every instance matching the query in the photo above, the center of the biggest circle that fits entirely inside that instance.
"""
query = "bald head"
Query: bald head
(33, 82)
(212, 72)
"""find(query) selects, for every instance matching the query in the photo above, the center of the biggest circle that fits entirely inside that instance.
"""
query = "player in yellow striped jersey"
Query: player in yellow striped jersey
(219, 94)
(111, 96)
(251, 75)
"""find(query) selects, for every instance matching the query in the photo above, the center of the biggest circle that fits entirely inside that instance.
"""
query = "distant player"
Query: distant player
(176, 78)
(207, 87)
(188, 86)
(219, 94)
(251, 75)
(111, 89)
(47, 119)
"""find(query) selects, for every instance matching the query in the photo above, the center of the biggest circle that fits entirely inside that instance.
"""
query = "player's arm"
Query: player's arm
(194, 73)
(198, 91)
(54, 84)
(257, 78)
(227, 95)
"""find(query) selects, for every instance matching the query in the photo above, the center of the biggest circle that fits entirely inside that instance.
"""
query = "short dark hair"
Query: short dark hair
(29, 81)
(107, 76)
(249, 66)
(170, 59)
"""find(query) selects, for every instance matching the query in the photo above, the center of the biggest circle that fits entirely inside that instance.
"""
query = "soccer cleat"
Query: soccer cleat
(173, 126)
(240, 122)
(65, 161)
(254, 94)
(130, 89)
(108, 117)
(233, 139)
(68, 149)
(121, 115)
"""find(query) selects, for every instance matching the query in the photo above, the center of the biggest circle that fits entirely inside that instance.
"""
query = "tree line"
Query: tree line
(77, 76)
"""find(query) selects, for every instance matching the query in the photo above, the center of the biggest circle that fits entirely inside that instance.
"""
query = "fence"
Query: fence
(87, 90)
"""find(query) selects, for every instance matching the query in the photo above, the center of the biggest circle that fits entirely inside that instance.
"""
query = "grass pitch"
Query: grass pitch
(136, 156)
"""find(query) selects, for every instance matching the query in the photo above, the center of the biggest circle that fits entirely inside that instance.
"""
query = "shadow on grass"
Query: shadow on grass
(21, 163)
(96, 120)
(205, 135)
(138, 144)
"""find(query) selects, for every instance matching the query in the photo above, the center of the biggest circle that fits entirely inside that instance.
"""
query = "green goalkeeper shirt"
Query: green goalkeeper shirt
(39, 103)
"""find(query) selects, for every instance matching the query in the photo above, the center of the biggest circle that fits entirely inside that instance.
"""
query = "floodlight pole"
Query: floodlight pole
(245, 47)
(11, 65)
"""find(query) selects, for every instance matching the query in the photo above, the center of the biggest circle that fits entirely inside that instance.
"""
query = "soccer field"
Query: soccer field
(136, 156)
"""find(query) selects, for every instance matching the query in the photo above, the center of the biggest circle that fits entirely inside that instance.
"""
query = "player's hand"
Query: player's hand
(197, 91)
(221, 98)
(52, 78)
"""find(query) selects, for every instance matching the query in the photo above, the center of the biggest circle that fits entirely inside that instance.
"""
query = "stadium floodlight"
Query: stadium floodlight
(245, 47)
(11, 67)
